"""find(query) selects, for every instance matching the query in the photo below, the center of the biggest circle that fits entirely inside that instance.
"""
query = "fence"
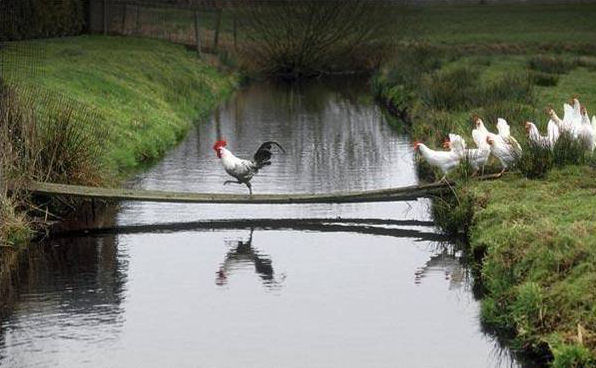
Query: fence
(205, 26)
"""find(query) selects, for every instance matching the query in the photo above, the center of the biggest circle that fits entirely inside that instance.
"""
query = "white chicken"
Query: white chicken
(444, 160)
(587, 131)
(505, 134)
(477, 157)
(480, 133)
(555, 119)
(547, 141)
(507, 153)
(244, 170)
(572, 118)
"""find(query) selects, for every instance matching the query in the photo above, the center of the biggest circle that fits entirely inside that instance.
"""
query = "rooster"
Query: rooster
(244, 170)
(444, 160)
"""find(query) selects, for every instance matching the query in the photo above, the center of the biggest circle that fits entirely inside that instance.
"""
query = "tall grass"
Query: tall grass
(451, 89)
(43, 138)
(535, 161)
(49, 138)
(569, 151)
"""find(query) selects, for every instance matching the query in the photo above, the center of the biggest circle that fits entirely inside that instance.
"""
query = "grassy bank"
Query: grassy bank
(148, 92)
(90, 109)
(535, 238)
(539, 242)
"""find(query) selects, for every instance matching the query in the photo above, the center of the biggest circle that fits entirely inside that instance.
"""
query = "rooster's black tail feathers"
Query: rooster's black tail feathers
(263, 155)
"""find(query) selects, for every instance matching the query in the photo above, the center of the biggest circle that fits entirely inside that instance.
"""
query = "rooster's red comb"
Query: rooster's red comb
(219, 144)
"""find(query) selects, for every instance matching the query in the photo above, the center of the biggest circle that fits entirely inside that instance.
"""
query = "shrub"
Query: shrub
(294, 39)
(536, 161)
(48, 138)
(25, 19)
(573, 356)
(528, 308)
(515, 87)
(14, 227)
(411, 62)
(515, 113)
(449, 90)
(568, 151)
(432, 126)
(453, 212)
(552, 64)
(544, 79)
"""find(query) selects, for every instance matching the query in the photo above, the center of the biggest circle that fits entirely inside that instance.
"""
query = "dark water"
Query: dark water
(354, 285)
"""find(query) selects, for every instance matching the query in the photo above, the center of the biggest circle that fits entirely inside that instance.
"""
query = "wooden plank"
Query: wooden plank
(407, 193)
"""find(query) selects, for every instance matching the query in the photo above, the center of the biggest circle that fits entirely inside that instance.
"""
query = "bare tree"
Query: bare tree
(301, 38)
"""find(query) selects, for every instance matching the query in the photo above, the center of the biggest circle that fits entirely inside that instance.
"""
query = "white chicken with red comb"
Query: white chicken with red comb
(444, 160)
(241, 169)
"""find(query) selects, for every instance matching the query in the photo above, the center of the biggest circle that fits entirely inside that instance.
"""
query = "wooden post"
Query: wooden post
(105, 17)
(137, 21)
(123, 19)
(197, 33)
(235, 33)
(217, 25)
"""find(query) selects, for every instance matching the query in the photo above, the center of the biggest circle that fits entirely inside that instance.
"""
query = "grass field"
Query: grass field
(527, 24)
(148, 92)
(536, 237)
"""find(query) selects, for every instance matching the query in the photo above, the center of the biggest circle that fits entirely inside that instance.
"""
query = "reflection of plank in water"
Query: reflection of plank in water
(362, 226)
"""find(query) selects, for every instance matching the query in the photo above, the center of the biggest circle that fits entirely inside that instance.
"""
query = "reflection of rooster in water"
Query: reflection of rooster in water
(244, 253)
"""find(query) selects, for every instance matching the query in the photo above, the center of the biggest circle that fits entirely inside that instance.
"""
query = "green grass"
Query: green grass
(147, 92)
(526, 24)
(539, 237)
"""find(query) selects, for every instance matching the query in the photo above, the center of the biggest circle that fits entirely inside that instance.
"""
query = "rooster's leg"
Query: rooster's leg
(249, 185)
(231, 182)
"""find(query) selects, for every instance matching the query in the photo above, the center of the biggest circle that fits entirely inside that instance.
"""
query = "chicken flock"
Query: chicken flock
(504, 146)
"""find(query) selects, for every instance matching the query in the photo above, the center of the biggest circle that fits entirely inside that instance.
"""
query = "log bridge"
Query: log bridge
(406, 193)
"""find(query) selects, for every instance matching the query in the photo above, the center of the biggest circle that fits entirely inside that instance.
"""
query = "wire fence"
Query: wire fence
(205, 26)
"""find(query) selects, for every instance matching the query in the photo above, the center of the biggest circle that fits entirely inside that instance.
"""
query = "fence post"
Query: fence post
(197, 33)
(217, 25)
(105, 17)
(235, 34)
(137, 21)
(124, 18)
